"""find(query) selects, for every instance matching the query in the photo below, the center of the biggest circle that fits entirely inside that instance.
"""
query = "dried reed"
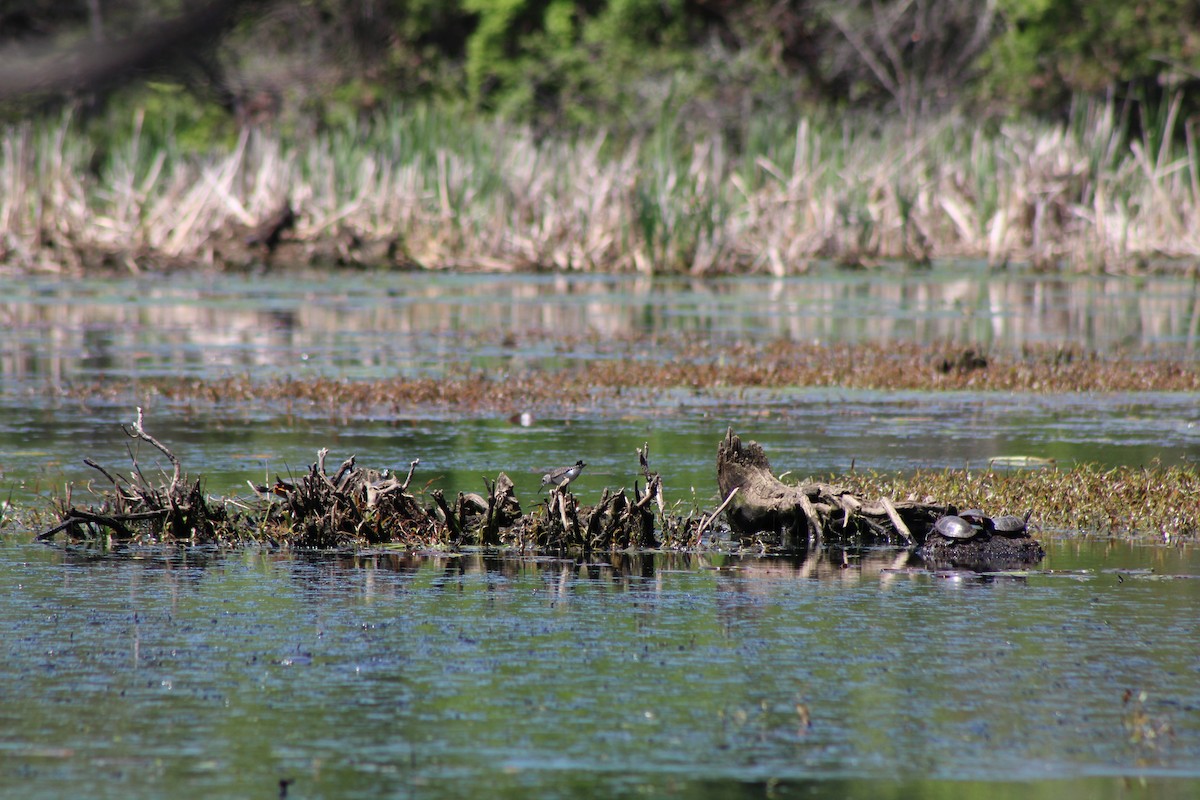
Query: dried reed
(1081, 194)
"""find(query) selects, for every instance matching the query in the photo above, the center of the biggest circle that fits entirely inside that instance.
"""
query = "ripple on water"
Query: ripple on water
(353, 676)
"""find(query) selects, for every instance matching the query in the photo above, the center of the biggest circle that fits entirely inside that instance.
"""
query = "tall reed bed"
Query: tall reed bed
(768, 198)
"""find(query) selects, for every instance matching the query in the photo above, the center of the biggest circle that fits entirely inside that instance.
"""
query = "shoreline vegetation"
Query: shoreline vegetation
(419, 187)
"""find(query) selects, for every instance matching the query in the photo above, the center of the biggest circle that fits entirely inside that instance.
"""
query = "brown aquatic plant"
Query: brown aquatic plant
(501, 196)
(628, 379)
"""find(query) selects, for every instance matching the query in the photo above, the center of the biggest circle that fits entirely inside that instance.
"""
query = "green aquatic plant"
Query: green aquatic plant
(1153, 502)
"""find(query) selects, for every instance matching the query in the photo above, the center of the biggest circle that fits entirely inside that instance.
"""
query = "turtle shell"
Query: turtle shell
(976, 517)
(1011, 524)
(953, 526)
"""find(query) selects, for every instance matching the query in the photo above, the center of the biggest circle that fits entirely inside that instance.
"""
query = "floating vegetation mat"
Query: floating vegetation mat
(633, 366)
(1156, 502)
(352, 507)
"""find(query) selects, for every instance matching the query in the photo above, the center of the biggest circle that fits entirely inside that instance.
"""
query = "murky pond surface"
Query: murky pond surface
(193, 673)
(196, 673)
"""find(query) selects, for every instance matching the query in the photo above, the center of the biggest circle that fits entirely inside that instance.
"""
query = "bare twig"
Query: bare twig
(707, 521)
(115, 522)
(412, 467)
(89, 462)
(901, 528)
(139, 432)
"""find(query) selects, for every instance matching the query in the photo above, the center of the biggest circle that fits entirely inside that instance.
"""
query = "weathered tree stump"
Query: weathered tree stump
(810, 514)
(475, 519)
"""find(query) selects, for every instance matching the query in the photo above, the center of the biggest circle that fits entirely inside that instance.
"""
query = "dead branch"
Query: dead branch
(102, 471)
(412, 467)
(710, 518)
(137, 431)
(901, 528)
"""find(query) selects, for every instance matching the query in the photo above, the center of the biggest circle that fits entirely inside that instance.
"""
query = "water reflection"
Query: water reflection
(340, 324)
(491, 570)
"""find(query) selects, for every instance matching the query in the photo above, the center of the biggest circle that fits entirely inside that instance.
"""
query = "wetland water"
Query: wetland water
(219, 674)
(61, 333)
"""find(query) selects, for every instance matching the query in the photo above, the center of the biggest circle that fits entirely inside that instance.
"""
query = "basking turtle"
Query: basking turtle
(955, 528)
(1012, 525)
(977, 518)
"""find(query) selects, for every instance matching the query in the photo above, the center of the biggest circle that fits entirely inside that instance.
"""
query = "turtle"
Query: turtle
(955, 528)
(1012, 525)
(563, 475)
(977, 518)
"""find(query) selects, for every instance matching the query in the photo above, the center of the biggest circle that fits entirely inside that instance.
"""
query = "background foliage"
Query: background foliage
(621, 63)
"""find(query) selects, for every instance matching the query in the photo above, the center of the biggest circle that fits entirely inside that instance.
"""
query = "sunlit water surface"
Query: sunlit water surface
(371, 324)
(193, 673)
(200, 674)
(352, 325)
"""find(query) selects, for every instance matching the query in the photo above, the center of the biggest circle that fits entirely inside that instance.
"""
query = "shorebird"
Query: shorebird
(563, 475)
